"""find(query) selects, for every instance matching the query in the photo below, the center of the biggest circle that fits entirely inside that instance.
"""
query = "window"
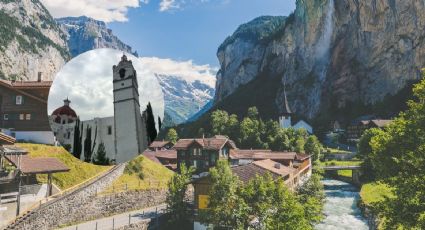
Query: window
(122, 73)
(6, 117)
(109, 130)
(195, 163)
(21, 116)
(69, 135)
(18, 100)
(28, 116)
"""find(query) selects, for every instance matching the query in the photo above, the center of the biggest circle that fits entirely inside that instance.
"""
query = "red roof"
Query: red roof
(65, 110)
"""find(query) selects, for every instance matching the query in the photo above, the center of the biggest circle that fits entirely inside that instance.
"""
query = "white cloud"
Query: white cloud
(104, 10)
(87, 81)
(166, 5)
(184, 69)
(170, 5)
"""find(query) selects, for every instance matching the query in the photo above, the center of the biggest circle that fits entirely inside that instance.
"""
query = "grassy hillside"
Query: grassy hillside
(141, 174)
(375, 192)
(79, 170)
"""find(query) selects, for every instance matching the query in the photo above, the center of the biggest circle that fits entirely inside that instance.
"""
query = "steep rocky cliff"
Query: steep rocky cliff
(84, 34)
(30, 41)
(338, 59)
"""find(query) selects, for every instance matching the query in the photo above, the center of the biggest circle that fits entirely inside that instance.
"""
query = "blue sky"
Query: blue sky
(194, 31)
(180, 30)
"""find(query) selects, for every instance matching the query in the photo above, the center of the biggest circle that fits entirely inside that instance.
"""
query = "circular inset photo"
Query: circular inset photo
(105, 107)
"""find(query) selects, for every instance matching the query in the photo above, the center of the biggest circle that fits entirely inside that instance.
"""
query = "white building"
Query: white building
(123, 135)
(285, 118)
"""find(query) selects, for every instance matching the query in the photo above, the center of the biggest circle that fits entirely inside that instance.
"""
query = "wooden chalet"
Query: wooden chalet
(203, 153)
(23, 110)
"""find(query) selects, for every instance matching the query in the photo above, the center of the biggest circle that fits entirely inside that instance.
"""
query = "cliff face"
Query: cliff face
(84, 34)
(30, 41)
(330, 54)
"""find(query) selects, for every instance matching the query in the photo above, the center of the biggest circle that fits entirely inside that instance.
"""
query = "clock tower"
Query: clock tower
(130, 132)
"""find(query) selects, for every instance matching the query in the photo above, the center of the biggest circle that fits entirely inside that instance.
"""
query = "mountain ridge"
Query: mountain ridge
(334, 57)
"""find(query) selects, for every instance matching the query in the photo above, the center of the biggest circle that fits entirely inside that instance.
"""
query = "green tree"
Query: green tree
(100, 158)
(219, 122)
(399, 160)
(87, 145)
(272, 205)
(299, 144)
(312, 197)
(313, 147)
(178, 206)
(225, 207)
(366, 153)
(172, 136)
(150, 124)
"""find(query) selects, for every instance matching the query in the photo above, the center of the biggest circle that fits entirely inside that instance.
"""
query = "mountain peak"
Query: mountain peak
(85, 33)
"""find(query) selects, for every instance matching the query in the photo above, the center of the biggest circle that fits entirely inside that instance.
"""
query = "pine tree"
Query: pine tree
(76, 150)
(87, 145)
(100, 157)
(150, 124)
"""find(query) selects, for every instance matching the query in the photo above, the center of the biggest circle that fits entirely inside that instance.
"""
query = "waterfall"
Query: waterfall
(323, 46)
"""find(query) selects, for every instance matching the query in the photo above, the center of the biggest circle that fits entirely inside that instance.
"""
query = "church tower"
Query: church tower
(130, 133)
(285, 116)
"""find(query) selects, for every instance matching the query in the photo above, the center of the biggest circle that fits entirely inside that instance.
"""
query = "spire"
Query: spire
(286, 109)
(123, 58)
(66, 101)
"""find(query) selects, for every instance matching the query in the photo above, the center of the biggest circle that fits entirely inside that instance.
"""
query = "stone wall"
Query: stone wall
(108, 205)
(66, 208)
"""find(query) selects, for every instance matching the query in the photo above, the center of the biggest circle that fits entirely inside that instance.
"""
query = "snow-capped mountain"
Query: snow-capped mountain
(185, 95)
(84, 34)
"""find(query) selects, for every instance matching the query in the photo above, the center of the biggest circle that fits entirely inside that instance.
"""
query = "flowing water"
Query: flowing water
(341, 207)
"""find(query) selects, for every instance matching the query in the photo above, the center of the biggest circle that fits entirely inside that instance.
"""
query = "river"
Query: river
(341, 207)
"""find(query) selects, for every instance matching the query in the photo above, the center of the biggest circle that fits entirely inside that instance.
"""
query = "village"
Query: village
(23, 194)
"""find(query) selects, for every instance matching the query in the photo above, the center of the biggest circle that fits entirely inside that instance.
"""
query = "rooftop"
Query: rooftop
(26, 84)
(261, 155)
(214, 143)
(159, 144)
(29, 165)
(260, 168)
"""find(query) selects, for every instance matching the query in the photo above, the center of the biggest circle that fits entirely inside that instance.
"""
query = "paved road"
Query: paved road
(120, 220)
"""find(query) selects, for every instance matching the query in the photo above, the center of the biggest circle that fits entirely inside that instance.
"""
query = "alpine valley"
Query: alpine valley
(39, 43)
(337, 60)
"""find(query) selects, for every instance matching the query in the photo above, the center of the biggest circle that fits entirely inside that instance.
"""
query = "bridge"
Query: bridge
(356, 171)
(337, 168)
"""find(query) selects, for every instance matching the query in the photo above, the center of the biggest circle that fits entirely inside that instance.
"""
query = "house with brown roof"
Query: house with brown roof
(167, 157)
(203, 153)
(23, 110)
(160, 145)
(357, 127)
(25, 168)
(245, 173)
